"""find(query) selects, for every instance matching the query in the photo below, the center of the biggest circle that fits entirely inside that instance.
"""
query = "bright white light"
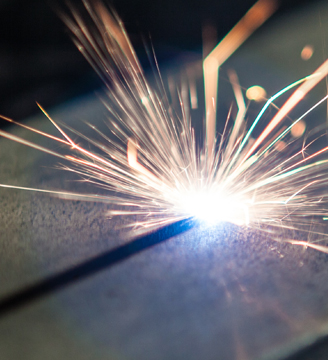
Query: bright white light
(213, 208)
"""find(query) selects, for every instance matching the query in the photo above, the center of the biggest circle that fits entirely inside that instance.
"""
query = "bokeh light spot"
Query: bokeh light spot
(298, 129)
(256, 93)
(307, 52)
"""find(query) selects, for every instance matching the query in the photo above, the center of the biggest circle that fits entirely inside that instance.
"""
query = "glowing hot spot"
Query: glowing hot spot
(213, 208)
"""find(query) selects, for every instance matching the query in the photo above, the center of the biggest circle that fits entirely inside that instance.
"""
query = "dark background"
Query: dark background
(38, 61)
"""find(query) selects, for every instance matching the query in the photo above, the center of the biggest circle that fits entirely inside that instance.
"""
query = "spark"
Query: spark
(252, 20)
(152, 168)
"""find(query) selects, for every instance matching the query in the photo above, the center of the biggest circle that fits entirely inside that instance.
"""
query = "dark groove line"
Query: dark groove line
(90, 267)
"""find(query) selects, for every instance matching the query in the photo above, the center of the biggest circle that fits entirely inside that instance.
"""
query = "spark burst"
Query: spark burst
(150, 163)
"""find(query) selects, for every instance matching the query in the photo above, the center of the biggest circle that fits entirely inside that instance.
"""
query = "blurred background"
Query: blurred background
(38, 61)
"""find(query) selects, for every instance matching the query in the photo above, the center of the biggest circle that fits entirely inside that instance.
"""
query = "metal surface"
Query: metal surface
(202, 293)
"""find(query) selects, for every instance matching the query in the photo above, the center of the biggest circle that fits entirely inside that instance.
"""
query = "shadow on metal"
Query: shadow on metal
(91, 267)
